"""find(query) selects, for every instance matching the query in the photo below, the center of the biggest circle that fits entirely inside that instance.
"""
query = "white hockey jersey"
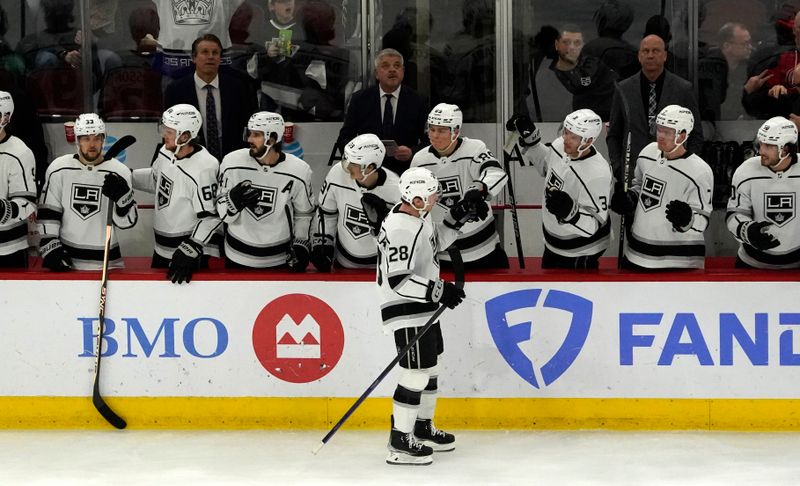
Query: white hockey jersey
(72, 208)
(341, 220)
(261, 238)
(185, 190)
(652, 241)
(17, 184)
(759, 194)
(408, 267)
(183, 21)
(588, 183)
(471, 161)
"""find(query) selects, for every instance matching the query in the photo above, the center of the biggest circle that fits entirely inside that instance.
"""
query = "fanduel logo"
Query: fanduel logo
(509, 335)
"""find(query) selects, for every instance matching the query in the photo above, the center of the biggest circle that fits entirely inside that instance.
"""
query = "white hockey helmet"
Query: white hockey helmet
(584, 123)
(183, 118)
(445, 115)
(417, 182)
(677, 117)
(267, 123)
(89, 124)
(364, 150)
(777, 131)
(6, 108)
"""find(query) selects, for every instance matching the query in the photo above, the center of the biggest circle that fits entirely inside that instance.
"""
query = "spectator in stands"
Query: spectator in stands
(613, 18)
(224, 99)
(10, 62)
(389, 110)
(723, 73)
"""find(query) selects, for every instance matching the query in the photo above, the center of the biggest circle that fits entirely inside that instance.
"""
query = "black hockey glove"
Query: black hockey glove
(185, 261)
(447, 294)
(528, 133)
(375, 209)
(322, 257)
(55, 256)
(116, 188)
(680, 215)
(753, 233)
(623, 202)
(8, 210)
(475, 198)
(561, 205)
(298, 256)
(462, 211)
(243, 195)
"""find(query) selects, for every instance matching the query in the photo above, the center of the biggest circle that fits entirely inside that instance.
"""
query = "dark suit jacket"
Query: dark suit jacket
(676, 91)
(364, 116)
(238, 101)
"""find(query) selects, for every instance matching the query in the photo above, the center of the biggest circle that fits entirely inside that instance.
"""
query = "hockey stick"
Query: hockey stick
(510, 145)
(97, 399)
(625, 173)
(458, 269)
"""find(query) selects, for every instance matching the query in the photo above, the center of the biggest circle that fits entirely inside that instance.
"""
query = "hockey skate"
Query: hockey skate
(404, 449)
(438, 440)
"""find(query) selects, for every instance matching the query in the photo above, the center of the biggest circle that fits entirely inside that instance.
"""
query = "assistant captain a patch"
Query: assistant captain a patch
(779, 207)
(652, 191)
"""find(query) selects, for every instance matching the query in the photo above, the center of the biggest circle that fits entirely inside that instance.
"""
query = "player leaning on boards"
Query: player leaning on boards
(410, 293)
(343, 233)
(577, 186)
(17, 191)
(762, 210)
(670, 199)
(265, 200)
(72, 211)
(184, 178)
(465, 167)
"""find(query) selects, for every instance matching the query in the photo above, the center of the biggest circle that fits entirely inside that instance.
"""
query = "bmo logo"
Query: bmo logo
(298, 338)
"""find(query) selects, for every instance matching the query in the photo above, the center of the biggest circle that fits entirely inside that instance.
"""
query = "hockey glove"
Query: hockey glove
(298, 256)
(623, 202)
(116, 188)
(447, 294)
(561, 205)
(755, 234)
(55, 256)
(185, 261)
(462, 211)
(375, 209)
(241, 196)
(476, 197)
(680, 215)
(8, 210)
(528, 133)
(322, 258)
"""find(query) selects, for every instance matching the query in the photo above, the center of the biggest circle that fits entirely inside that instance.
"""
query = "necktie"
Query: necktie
(388, 117)
(212, 132)
(651, 108)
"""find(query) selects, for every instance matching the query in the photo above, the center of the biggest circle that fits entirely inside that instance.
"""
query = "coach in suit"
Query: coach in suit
(646, 93)
(390, 110)
(224, 99)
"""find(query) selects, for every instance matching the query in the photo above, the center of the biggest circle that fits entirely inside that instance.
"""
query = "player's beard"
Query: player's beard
(91, 159)
(258, 153)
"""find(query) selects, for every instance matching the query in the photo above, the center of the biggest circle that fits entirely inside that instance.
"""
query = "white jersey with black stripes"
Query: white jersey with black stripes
(341, 220)
(652, 241)
(759, 194)
(17, 186)
(588, 182)
(471, 161)
(260, 237)
(72, 209)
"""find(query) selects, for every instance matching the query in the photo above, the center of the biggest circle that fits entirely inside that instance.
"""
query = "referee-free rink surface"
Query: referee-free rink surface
(144, 457)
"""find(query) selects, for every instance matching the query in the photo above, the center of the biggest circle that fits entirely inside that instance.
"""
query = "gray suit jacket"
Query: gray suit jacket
(676, 91)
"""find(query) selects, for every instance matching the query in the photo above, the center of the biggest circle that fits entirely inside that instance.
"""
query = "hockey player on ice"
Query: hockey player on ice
(576, 191)
(183, 177)
(342, 228)
(670, 198)
(465, 168)
(17, 191)
(762, 210)
(265, 200)
(72, 211)
(410, 292)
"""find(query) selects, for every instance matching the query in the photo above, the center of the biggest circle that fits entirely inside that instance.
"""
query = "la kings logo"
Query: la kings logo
(86, 200)
(266, 202)
(451, 191)
(356, 222)
(192, 12)
(779, 207)
(164, 192)
(652, 190)
(554, 182)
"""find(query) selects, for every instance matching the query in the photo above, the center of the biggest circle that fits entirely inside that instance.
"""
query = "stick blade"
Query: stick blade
(317, 448)
(105, 411)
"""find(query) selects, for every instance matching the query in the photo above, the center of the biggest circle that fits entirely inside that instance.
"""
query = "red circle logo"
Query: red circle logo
(298, 338)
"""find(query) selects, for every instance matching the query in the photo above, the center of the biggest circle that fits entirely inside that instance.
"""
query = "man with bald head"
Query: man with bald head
(639, 98)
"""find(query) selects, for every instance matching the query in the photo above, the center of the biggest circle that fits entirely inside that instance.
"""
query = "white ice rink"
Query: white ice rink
(356, 457)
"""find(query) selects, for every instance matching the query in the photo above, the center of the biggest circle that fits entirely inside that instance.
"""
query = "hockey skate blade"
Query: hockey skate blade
(403, 459)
